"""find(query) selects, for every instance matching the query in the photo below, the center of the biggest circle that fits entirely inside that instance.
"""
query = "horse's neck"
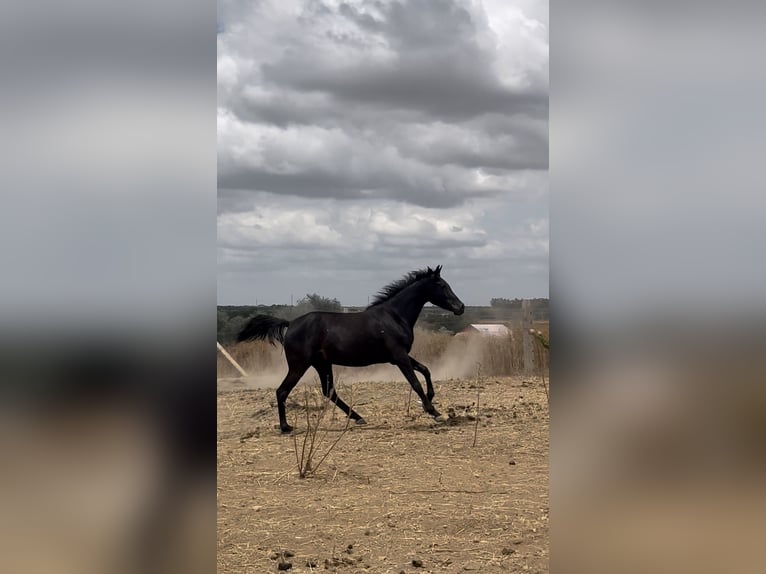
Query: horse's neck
(408, 304)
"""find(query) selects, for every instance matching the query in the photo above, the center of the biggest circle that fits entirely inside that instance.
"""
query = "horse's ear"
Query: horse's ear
(430, 271)
(438, 270)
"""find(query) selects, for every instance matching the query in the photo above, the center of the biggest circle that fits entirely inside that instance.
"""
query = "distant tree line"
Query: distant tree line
(231, 318)
(316, 302)
(539, 306)
(516, 303)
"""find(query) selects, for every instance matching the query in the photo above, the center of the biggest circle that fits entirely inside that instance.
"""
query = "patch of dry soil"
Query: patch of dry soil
(401, 494)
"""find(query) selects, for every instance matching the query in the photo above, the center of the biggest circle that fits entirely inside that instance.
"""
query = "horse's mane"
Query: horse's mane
(400, 284)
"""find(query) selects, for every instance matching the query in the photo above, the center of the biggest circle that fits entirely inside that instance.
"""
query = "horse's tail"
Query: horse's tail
(265, 328)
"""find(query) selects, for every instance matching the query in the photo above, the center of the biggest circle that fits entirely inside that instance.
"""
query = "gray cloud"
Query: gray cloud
(351, 132)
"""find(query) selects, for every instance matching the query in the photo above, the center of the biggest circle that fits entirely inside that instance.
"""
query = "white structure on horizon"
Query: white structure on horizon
(487, 330)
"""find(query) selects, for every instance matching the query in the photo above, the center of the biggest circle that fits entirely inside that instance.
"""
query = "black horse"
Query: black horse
(382, 333)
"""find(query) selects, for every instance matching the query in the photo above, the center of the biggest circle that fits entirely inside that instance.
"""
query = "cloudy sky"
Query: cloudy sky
(361, 139)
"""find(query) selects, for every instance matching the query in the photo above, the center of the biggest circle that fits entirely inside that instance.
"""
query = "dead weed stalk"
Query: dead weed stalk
(311, 455)
(543, 350)
(478, 391)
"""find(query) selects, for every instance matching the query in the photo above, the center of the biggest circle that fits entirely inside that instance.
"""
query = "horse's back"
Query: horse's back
(314, 327)
(352, 339)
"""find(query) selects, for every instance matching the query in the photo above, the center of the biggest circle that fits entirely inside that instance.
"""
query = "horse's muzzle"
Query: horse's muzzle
(460, 310)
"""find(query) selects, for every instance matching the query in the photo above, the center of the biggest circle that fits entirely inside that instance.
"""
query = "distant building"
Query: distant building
(486, 330)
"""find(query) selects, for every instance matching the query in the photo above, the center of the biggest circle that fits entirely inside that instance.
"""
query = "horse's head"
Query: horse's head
(441, 294)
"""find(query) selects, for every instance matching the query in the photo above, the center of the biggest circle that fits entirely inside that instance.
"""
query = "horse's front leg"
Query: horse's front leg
(406, 367)
(423, 370)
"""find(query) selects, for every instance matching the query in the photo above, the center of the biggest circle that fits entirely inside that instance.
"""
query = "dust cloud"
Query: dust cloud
(447, 357)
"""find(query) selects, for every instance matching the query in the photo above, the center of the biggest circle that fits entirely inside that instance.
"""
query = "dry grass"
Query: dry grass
(402, 488)
(253, 356)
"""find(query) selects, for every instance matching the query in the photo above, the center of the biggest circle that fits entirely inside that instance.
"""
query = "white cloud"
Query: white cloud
(273, 227)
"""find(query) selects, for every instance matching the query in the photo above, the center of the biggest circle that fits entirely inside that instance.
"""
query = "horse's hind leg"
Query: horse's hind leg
(328, 389)
(288, 384)
(422, 369)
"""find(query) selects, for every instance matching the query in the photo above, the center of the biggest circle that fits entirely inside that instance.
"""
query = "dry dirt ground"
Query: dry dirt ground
(401, 494)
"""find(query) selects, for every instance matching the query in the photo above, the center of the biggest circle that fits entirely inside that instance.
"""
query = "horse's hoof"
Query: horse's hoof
(287, 429)
(361, 422)
(439, 419)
